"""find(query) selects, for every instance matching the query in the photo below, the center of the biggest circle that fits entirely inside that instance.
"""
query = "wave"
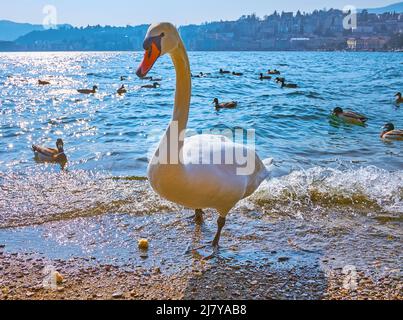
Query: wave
(363, 190)
(39, 196)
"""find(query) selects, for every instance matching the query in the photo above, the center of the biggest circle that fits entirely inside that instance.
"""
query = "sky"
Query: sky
(179, 12)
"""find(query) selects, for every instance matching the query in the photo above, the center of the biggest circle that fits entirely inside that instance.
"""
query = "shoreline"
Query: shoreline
(22, 280)
(257, 265)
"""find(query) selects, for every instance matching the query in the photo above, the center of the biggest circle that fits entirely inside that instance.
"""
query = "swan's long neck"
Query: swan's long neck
(183, 86)
(172, 139)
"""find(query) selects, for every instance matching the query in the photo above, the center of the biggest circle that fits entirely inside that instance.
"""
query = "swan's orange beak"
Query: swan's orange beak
(151, 55)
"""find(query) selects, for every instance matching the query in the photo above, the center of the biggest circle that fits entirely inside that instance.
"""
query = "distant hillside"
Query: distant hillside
(10, 31)
(318, 30)
(92, 38)
(397, 7)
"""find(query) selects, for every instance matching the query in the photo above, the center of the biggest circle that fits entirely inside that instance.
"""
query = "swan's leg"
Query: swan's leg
(199, 216)
(221, 224)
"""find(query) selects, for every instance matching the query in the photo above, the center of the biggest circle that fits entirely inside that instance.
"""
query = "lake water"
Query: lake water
(321, 166)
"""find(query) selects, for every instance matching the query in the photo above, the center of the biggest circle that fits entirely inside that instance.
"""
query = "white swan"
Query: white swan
(183, 177)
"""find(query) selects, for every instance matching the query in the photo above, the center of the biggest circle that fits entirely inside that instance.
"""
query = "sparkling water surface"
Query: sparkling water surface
(319, 162)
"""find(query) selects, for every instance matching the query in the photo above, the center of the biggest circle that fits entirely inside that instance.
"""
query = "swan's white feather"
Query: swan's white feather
(199, 182)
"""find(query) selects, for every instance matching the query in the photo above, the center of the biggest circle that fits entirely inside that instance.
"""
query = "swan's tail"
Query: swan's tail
(269, 164)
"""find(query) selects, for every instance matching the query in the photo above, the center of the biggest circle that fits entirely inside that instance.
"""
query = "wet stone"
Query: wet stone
(283, 259)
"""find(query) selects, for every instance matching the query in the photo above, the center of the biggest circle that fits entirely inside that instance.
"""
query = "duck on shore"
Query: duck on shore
(399, 98)
(88, 91)
(389, 132)
(349, 116)
(222, 71)
(225, 105)
(263, 77)
(122, 90)
(51, 155)
(275, 71)
(155, 85)
(43, 83)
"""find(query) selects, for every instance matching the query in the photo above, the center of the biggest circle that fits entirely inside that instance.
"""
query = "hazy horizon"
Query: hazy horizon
(179, 12)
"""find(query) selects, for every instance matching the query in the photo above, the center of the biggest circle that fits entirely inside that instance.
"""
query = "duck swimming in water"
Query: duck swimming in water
(224, 71)
(238, 74)
(287, 85)
(155, 85)
(225, 105)
(43, 83)
(123, 78)
(349, 116)
(275, 71)
(389, 132)
(278, 79)
(122, 90)
(44, 154)
(262, 77)
(399, 98)
(88, 91)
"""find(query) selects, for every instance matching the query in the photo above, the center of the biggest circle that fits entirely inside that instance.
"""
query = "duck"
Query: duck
(201, 75)
(222, 71)
(123, 78)
(279, 79)
(287, 85)
(122, 90)
(156, 79)
(176, 171)
(238, 74)
(262, 77)
(44, 154)
(275, 71)
(225, 105)
(147, 78)
(151, 86)
(43, 83)
(399, 98)
(88, 91)
(389, 132)
(349, 116)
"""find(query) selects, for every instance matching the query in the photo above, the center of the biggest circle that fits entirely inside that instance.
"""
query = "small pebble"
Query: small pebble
(59, 278)
(117, 295)
(143, 244)
(283, 259)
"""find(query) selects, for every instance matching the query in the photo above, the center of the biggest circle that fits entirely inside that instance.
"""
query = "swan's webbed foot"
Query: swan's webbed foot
(190, 249)
(213, 254)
